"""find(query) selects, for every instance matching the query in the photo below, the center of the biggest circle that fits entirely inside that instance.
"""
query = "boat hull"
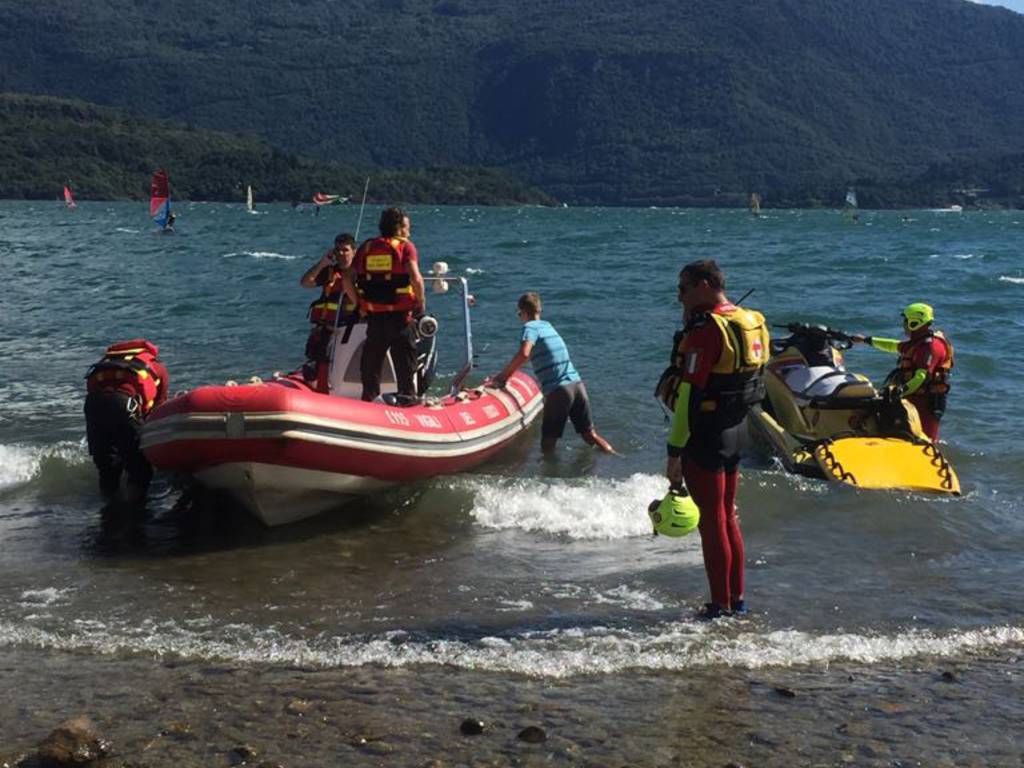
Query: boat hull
(287, 453)
(278, 495)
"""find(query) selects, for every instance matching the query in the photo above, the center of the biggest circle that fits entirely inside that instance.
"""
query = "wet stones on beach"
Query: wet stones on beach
(74, 742)
(243, 754)
(472, 727)
(178, 730)
(299, 707)
(533, 734)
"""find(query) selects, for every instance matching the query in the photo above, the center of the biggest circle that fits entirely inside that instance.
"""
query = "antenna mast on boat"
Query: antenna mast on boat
(362, 207)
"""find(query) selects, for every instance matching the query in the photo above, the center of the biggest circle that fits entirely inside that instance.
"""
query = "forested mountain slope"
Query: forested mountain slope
(594, 100)
(106, 153)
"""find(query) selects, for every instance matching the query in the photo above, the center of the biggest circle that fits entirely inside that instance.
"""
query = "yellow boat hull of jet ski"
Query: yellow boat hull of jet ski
(887, 462)
(822, 421)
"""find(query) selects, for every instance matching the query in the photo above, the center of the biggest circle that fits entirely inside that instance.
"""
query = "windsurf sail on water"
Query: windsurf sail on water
(850, 206)
(321, 199)
(69, 199)
(160, 199)
(755, 204)
(248, 200)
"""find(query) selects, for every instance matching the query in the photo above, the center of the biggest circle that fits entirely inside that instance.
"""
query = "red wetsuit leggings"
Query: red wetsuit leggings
(714, 492)
(929, 419)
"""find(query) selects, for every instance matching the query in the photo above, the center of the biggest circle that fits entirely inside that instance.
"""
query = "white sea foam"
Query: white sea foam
(21, 463)
(474, 271)
(41, 597)
(611, 509)
(1009, 279)
(128, 230)
(258, 255)
(506, 606)
(628, 597)
(553, 654)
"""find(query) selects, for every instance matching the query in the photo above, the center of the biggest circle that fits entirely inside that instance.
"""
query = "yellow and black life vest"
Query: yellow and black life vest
(735, 382)
(938, 383)
(127, 365)
(382, 276)
(323, 310)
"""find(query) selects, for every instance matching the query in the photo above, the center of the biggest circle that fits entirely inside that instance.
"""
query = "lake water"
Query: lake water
(530, 591)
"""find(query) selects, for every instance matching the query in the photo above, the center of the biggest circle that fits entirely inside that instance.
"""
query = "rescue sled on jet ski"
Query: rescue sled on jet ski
(823, 421)
(287, 452)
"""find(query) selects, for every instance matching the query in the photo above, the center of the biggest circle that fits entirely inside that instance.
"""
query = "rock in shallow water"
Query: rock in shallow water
(299, 707)
(74, 742)
(177, 729)
(242, 754)
(532, 734)
(471, 727)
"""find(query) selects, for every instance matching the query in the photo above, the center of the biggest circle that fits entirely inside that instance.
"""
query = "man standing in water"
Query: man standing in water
(565, 397)
(386, 276)
(719, 360)
(926, 362)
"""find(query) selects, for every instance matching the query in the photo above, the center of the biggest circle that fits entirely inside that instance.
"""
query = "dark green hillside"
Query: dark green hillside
(594, 100)
(106, 153)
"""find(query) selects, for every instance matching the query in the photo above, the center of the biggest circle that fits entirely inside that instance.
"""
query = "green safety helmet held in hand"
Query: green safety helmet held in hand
(674, 515)
(917, 315)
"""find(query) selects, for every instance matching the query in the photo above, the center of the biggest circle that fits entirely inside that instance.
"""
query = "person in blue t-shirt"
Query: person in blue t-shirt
(565, 396)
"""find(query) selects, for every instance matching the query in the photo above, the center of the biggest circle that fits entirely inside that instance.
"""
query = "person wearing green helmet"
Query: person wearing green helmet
(925, 364)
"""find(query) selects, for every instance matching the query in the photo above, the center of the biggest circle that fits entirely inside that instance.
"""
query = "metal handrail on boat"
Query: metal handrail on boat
(467, 325)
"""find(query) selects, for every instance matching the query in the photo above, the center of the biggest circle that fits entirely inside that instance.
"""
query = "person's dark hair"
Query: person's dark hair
(344, 239)
(529, 303)
(706, 269)
(391, 220)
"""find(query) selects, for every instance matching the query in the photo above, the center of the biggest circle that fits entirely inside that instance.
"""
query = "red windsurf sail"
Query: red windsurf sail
(160, 198)
(321, 199)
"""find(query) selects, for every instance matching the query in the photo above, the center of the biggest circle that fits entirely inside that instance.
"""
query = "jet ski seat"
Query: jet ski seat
(823, 383)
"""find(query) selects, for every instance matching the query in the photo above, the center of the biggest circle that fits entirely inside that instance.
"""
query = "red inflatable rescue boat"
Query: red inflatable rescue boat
(287, 452)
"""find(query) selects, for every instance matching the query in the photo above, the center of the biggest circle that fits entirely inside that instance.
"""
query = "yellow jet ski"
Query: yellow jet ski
(824, 421)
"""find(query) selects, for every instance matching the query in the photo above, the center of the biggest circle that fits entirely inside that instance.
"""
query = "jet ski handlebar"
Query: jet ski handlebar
(836, 338)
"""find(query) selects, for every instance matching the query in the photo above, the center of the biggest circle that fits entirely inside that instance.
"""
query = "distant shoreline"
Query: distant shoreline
(765, 209)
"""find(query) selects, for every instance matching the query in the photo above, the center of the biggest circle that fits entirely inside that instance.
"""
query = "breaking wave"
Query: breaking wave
(614, 509)
(20, 464)
(561, 653)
